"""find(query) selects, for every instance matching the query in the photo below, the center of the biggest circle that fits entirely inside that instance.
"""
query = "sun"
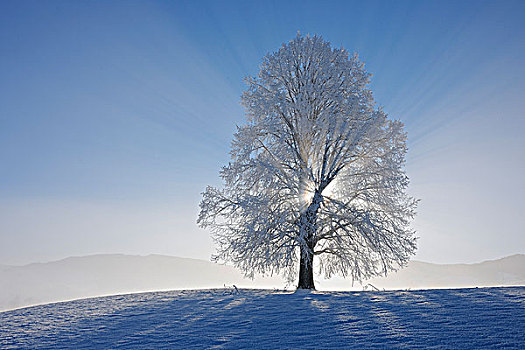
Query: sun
(330, 190)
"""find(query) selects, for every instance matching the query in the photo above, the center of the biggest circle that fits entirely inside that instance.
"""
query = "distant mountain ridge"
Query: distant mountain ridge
(507, 271)
(107, 274)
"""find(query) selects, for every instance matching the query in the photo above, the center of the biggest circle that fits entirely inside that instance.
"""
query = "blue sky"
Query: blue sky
(114, 116)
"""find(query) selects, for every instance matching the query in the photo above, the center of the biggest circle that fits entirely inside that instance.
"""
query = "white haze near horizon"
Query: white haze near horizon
(110, 274)
(105, 148)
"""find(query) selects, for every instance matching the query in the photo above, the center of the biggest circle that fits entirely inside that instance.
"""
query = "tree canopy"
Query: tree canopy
(316, 171)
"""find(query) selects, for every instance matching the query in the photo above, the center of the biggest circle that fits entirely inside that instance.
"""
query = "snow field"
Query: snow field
(485, 318)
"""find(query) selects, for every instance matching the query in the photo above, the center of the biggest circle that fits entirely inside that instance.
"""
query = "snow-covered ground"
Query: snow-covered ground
(484, 318)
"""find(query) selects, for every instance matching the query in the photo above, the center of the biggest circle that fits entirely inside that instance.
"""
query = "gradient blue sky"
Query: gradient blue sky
(114, 116)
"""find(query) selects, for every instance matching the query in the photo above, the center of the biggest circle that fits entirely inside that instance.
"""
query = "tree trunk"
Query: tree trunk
(306, 271)
(308, 222)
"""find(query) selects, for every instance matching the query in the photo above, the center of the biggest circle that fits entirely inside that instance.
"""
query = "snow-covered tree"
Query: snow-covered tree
(317, 171)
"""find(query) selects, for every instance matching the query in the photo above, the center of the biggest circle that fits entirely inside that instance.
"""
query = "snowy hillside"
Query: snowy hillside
(485, 318)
